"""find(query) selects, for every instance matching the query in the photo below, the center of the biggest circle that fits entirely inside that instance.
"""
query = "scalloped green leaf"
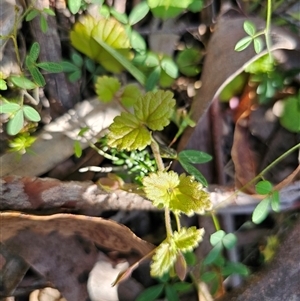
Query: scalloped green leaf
(131, 93)
(163, 259)
(107, 87)
(15, 124)
(31, 114)
(155, 109)
(180, 194)
(128, 133)
(23, 82)
(112, 33)
(261, 211)
(34, 51)
(188, 238)
(263, 187)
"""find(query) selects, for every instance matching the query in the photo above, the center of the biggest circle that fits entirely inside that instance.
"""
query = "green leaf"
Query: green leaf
(188, 239)
(169, 67)
(188, 61)
(137, 42)
(192, 170)
(34, 51)
(232, 268)
(43, 24)
(163, 259)
(290, 118)
(261, 211)
(138, 13)
(196, 6)
(77, 149)
(180, 194)
(68, 66)
(49, 12)
(168, 9)
(243, 43)
(119, 16)
(15, 124)
(190, 258)
(37, 76)
(3, 85)
(23, 82)
(216, 237)
(213, 254)
(90, 65)
(229, 241)
(77, 59)
(128, 133)
(111, 34)
(151, 293)
(209, 276)
(73, 77)
(155, 109)
(258, 45)
(249, 28)
(171, 293)
(31, 114)
(31, 15)
(182, 286)
(74, 6)
(130, 95)
(194, 156)
(263, 187)
(107, 87)
(9, 108)
(153, 78)
(275, 201)
(50, 67)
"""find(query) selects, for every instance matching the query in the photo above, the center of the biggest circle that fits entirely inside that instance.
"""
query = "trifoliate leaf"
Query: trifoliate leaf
(130, 95)
(127, 132)
(249, 28)
(163, 259)
(180, 194)
(107, 87)
(188, 238)
(217, 237)
(229, 241)
(155, 109)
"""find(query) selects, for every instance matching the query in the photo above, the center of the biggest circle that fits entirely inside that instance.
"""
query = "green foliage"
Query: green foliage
(21, 143)
(165, 9)
(272, 199)
(253, 37)
(188, 61)
(290, 118)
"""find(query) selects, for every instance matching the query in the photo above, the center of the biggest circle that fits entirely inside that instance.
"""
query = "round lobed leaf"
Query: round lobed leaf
(188, 238)
(106, 87)
(217, 237)
(229, 241)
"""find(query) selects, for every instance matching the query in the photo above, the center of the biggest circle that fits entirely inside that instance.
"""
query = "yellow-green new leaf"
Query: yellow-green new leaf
(128, 133)
(155, 109)
(81, 37)
(180, 194)
(188, 238)
(112, 33)
(107, 87)
(163, 259)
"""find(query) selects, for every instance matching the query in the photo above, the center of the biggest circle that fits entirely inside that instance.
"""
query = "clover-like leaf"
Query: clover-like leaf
(249, 28)
(188, 238)
(107, 87)
(31, 114)
(155, 109)
(128, 133)
(163, 259)
(180, 194)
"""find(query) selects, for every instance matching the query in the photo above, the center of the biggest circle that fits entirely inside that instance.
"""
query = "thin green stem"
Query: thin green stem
(177, 221)
(268, 27)
(216, 221)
